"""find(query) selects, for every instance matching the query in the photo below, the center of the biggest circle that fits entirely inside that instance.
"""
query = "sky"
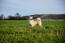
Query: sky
(30, 7)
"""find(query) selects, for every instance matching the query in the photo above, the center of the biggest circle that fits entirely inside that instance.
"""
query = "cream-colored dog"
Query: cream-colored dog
(34, 22)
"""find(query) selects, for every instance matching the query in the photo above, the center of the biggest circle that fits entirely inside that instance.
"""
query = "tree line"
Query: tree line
(16, 17)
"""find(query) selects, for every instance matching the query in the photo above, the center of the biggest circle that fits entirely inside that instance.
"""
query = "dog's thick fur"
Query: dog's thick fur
(34, 22)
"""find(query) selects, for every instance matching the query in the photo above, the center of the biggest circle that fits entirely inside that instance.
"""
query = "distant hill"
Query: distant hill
(48, 16)
(42, 16)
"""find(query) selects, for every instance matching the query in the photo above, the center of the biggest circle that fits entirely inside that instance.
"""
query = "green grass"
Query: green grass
(19, 31)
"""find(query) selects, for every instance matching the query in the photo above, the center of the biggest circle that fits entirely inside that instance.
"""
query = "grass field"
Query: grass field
(19, 31)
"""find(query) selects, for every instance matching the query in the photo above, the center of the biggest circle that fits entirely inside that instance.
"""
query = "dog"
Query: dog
(34, 22)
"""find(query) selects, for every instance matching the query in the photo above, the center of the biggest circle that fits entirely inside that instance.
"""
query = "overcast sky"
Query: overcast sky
(29, 7)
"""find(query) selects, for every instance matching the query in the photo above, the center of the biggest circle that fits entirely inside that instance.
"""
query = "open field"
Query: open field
(19, 31)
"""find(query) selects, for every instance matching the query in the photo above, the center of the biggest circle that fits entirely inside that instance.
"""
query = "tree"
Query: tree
(2, 17)
(17, 16)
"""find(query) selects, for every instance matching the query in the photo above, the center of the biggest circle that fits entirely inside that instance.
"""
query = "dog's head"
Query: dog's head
(30, 17)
